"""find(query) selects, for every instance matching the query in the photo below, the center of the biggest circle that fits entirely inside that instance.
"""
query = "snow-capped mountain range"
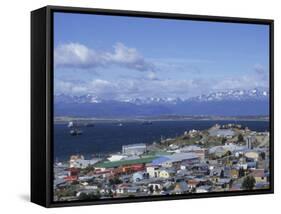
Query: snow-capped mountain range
(227, 95)
(223, 103)
(255, 94)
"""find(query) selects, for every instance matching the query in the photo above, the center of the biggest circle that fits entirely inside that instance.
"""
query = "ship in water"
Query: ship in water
(70, 124)
(75, 132)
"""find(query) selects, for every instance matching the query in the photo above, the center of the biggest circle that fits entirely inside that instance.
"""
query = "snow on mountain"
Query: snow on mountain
(225, 103)
(227, 95)
(62, 98)
(88, 98)
(152, 100)
(253, 94)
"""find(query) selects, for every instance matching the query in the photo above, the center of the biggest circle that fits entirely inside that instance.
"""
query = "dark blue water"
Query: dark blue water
(105, 138)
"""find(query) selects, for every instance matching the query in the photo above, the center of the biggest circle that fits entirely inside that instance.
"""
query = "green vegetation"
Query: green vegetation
(115, 181)
(112, 164)
(240, 138)
(182, 140)
(90, 196)
(68, 192)
(241, 172)
(248, 183)
(151, 190)
(262, 155)
(158, 153)
(87, 169)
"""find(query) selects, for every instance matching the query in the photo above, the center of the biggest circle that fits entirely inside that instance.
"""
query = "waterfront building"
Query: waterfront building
(116, 157)
(175, 160)
(160, 160)
(80, 163)
(134, 149)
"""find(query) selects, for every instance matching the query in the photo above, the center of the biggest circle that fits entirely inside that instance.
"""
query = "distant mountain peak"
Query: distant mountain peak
(224, 95)
(228, 102)
(234, 94)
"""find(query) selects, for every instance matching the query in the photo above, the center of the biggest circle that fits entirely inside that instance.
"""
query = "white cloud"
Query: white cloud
(76, 55)
(141, 88)
(241, 82)
(130, 88)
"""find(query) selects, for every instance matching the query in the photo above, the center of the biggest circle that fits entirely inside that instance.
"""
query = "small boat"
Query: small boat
(75, 132)
(120, 124)
(70, 124)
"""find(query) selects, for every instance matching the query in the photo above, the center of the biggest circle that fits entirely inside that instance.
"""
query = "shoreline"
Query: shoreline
(106, 153)
(66, 119)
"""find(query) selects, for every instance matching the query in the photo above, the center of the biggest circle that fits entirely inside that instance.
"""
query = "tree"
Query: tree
(114, 180)
(262, 155)
(240, 138)
(228, 153)
(88, 169)
(156, 188)
(222, 174)
(90, 196)
(83, 196)
(65, 192)
(241, 172)
(248, 183)
(223, 140)
(151, 190)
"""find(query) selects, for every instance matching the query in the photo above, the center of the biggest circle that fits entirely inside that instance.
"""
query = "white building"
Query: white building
(82, 163)
(116, 157)
(249, 142)
(153, 171)
(134, 149)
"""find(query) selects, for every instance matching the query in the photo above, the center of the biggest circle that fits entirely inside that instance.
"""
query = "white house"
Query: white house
(153, 171)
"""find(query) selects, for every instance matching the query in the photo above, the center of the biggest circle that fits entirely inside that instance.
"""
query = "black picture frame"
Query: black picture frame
(42, 103)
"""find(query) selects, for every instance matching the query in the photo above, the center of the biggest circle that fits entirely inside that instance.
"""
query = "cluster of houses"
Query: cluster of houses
(176, 169)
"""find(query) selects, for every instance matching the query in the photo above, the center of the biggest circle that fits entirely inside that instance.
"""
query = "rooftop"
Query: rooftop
(112, 164)
(137, 145)
(221, 132)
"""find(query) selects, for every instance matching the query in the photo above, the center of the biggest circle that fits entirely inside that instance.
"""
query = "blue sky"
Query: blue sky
(130, 57)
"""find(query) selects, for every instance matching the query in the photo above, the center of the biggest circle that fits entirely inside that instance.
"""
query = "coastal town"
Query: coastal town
(226, 157)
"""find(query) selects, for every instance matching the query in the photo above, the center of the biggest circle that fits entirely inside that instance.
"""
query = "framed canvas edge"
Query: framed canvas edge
(49, 101)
